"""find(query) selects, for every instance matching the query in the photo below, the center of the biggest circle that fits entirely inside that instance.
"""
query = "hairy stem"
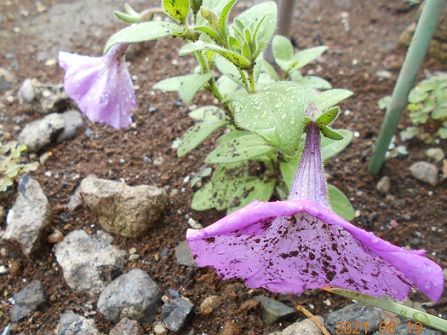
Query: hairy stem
(395, 307)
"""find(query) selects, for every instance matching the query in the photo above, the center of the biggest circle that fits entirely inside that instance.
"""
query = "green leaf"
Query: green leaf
(330, 148)
(439, 113)
(329, 98)
(239, 149)
(254, 189)
(233, 57)
(187, 86)
(269, 69)
(227, 87)
(264, 13)
(288, 169)
(203, 198)
(417, 95)
(340, 203)
(227, 68)
(314, 82)
(197, 134)
(331, 133)
(208, 31)
(282, 51)
(275, 113)
(141, 32)
(127, 18)
(207, 113)
(328, 116)
(384, 102)
(304, 57)
(224, 16)
(226, 184)
(232, 135)
(177, 10)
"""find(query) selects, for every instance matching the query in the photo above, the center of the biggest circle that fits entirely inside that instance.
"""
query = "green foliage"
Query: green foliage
(340, 204)
(11, 167)
(262, 107)
(142, 32)
(275, 113)
(177, 10)
(427, 108)
(186, 86)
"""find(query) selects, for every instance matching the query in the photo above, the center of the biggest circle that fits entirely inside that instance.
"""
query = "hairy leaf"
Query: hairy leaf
(197, 134)
(276, 113)
(186, 86)
(239, 149)
(340, 203)
(177, 10)
(141, 32)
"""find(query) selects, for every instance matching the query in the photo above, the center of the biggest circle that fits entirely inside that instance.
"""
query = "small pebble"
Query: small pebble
(55, 237)
(210, 304)
(436, 154)
(384, 185)
(159, 329)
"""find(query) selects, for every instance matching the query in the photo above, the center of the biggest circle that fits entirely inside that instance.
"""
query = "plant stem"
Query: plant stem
(419, 45)
(395, 307)
(251, 81)
(148, 14)
(244, 80)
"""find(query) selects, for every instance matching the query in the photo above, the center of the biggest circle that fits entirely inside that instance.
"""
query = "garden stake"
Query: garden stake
(428, 21)
(395, 307)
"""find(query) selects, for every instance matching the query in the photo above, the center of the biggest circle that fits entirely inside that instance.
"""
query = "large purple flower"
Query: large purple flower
(100, 86)
(299, 244)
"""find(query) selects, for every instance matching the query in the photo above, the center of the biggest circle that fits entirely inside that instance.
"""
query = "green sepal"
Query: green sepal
(331, 133)
(328, 116)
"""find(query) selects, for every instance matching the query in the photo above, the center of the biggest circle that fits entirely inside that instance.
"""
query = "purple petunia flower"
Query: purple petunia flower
(101, 86)
(299, 244)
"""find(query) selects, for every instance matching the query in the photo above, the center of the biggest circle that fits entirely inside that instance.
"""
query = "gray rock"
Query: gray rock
(354, 313)
(175, 313)
(273, 310)
(126, 210)
(26, 91)
(183, 255)
(44, 98)
(27, 301)
(73, 120)
(73, 324)
(127, 327)
(7, 79)
(436, 154)
(384, 185)
(425, 171)
(40, 133)
(29, 216)
(88, 261)
(304, 327)
(403, 329)
(133, 295)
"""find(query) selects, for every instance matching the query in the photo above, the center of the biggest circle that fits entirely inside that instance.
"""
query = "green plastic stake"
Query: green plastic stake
(426, 26)
(395, 307)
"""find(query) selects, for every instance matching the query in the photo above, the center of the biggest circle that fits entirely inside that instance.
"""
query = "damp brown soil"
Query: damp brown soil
(362, 36)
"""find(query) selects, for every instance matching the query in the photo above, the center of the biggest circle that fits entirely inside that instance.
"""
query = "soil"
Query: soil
(362, 37)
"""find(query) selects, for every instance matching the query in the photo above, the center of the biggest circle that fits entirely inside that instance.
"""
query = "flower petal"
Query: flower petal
(101, 86)
(290, 246)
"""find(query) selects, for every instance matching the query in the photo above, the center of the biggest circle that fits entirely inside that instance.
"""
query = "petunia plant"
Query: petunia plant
(276, 133)
(260, 111)
(299, 244)
(427, 110)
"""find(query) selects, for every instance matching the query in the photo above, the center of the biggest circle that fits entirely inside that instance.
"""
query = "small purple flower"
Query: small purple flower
(100, 86)
(298, 244)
